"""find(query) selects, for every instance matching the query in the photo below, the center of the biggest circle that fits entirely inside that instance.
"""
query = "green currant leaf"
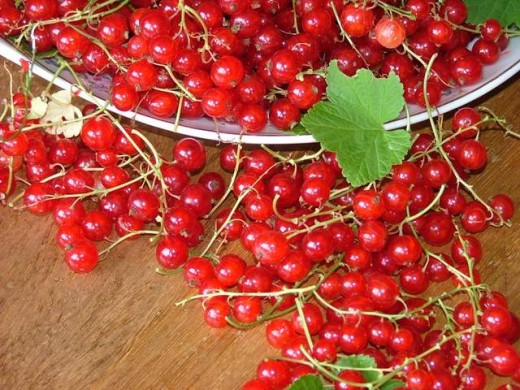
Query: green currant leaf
(360, 361)
(351, 123)
(393, 384)
(506, 11)
(299, 130)
(307, 382)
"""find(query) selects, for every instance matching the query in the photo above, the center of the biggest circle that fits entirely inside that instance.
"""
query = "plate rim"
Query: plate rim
(12, 54)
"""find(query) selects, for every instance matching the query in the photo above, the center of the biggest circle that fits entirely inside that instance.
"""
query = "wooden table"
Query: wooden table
(118, 328)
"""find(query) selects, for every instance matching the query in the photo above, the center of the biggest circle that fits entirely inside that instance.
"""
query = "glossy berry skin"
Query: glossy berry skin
(126, 225)
(318, 245)
(175, 177)
(270, 247)
(37, 198)
(190, 154)
(214, 183)
(152, 22)
(294, 267)
(343, 236)
(98, 133)
(413, 280)
(251, 89)
(438, 229)
(419, 379)
(217, 102)
(373, 235)
(275, 373)
(440, 32)
(196, 198)
(358, 258)
(96, 225)
(246, 309)
(496, 320)
(487, 52)
(278, 332)
(228, 157)
(474, 218)
(41, 9)
(68, 211)
(198, 270)
(141, 75)
(113, 30)
(230, 224)
(356, 20)
(284, 115)
(382, 290)
(82, 257)
(452, 201)
(349, 61)
(390, 32)
(353, 339)
(315, 192)
(464, 247)
(467, 70)
(395, 196)
(491, 30)
(466, 122)
(259, 207)
(252, 118)
(303, 94)
(472, 155)
(368, 205)
(324, 350)
(284, 66)
(473, 378)
(113, 176)
(504, 360)
(350, 376)
(163, 49)
(406, 173)
(71, 43)
(436, 173)
(171, 252)
(230, 269)
(379, 332)
(455, 11)
(162, 104)
(404, 249)
(227, 72)
(503, 206)
(401, 340)
(312, 317)
(215, 314)
(15, 144)
(143, 205)
(256, 279)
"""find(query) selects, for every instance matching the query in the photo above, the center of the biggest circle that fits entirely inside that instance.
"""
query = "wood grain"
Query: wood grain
(118, 328)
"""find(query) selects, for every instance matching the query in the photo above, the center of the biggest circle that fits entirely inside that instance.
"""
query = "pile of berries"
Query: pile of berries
(334, 270)
(253, 62)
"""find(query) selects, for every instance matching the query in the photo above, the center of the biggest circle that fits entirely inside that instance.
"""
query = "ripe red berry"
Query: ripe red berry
(356, 20)
(82, 257)
(98, 133)
(190, 154)
(390, 32)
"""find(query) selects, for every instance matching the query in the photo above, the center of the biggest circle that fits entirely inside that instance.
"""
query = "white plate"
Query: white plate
(494, 75)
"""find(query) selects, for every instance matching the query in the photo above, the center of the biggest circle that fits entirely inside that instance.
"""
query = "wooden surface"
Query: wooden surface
(118, 328)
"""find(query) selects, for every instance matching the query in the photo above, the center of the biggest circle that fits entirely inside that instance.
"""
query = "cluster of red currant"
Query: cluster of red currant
(362, 255)
(336, 271)
(389, 240)
(252, 61)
